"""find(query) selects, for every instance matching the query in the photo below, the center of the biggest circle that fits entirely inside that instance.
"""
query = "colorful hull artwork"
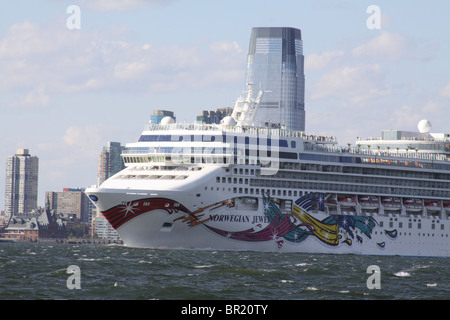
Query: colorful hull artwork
(294, 227)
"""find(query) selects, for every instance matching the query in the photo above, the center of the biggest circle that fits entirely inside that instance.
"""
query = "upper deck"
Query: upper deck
(161, 142)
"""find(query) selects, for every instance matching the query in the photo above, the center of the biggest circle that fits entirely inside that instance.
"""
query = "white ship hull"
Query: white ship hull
(174, 220)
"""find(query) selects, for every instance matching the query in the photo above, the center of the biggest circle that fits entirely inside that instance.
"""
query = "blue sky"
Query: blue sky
(65, 93)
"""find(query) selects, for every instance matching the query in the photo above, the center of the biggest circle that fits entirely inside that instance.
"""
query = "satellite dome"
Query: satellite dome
(228, 121)
(424, 126)
(167, 120)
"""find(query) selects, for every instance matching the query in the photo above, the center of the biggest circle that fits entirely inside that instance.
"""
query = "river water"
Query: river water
(52, 271)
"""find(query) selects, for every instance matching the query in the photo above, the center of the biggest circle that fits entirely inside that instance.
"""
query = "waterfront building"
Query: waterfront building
(44, 226)
(21, 189)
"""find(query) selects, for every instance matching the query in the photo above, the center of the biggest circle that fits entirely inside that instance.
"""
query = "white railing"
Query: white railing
(320, 143)
(277, 132)
(412, 154)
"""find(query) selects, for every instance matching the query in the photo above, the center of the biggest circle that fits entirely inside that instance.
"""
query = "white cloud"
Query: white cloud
(433, 107)
(44, 60)
(445, 92)
(37, 98)
(130, 70)
(387, 21)
(356, 75)
(386, 47)
(87, 140)
(405, 117)
(331, 5)
(44, 56)
(317, 61)
(23, 40)
(120, 5)
(226, 46)
(353, 84)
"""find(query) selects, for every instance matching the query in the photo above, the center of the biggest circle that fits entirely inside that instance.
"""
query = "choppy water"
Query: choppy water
(39, 271)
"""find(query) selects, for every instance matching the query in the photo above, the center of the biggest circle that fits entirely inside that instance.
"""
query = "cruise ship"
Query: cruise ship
(250, 183)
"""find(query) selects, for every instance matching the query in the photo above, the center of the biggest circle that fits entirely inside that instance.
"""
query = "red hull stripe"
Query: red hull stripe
(123, 213)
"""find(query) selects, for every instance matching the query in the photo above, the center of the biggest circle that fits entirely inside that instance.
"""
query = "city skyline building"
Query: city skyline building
(103, 229)
(158, 115)
(214, 116)
(275, 66)
(110, 161)
(21, 188)
(70, 204)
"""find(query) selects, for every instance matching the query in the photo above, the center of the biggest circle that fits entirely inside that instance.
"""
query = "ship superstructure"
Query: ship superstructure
(235, 187)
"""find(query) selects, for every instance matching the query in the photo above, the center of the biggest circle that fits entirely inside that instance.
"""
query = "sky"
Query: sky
(70, 81)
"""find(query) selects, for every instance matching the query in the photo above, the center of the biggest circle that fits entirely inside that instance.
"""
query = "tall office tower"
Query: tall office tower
(110, 162)
(275, 65)
(21, 190)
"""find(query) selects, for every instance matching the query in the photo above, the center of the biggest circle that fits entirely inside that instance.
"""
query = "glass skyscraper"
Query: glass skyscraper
(275, 66)
(110, 161)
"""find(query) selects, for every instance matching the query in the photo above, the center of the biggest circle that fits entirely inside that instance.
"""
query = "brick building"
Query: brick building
(44, 226)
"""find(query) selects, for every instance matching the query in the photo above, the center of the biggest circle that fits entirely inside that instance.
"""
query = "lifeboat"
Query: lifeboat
(413, 204)
(390, 203)
(433, 205)
(368, 202)
(331, 201)
(447, 206)
(347, 201)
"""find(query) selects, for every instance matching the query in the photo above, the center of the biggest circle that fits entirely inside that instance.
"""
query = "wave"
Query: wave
(402, 274)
